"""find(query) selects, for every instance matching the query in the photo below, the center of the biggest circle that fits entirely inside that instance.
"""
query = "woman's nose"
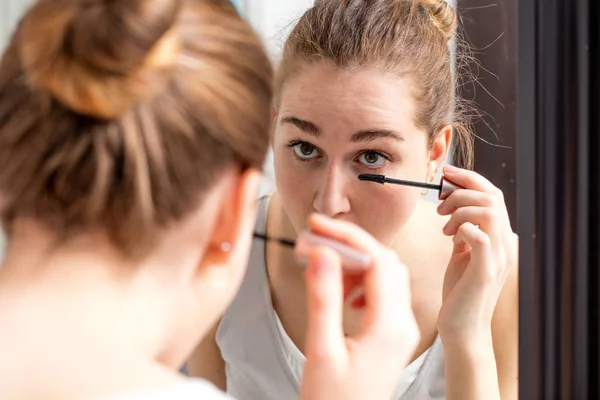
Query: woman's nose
(331, 198)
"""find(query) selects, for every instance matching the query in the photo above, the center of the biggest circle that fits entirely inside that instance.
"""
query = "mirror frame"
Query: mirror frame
(558, 197)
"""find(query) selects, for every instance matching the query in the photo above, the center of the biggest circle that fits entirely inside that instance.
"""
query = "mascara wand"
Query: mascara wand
(444, 188)
(283, 242)
(352, 259)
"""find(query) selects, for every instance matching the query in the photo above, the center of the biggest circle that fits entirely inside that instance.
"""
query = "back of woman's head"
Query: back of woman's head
(120, 114)
(406, 38)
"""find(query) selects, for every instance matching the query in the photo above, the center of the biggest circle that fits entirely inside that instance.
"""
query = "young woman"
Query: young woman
(367, 87)
(131, 137)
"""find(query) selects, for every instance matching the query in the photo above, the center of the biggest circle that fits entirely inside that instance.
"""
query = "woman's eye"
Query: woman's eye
(305, 150)
(371, 159)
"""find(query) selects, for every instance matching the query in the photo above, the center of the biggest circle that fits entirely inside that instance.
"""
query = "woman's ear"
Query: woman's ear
(439, 151)
(229, 243)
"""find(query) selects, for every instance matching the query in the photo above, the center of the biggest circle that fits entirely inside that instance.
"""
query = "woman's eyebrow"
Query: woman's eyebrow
(366, 135)
(305, 126)
(372, 134)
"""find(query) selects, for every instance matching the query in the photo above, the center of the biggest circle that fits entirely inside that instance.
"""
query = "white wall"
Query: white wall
(271, 17)
(10, 11)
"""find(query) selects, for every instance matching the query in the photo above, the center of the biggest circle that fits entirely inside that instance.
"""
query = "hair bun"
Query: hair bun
(99, 57)
(442, 15)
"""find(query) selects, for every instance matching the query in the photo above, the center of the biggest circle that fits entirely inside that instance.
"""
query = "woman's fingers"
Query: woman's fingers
(387, 294)
(465, 198)
(324, 281)
(470, 180)
(483, 217)
(345, 232)
(480, 251)
(389, 332)
(385, 283)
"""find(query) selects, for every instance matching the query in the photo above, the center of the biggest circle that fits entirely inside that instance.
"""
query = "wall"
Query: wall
(10, 11)
(271, 18)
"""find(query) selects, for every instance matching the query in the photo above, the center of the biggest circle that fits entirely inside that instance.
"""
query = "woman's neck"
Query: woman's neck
(74, 313)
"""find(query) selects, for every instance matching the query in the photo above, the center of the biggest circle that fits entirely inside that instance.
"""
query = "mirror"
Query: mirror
(314, 121)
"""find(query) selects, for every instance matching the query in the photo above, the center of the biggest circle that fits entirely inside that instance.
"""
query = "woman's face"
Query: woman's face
(333, 125)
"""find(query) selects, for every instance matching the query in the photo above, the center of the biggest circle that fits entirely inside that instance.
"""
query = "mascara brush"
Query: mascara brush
(352, 259)
(444, 188)
(283, 242)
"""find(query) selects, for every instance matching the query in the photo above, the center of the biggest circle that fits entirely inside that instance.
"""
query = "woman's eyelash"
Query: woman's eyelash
(296, 142)
(292, 148)
(379, 153)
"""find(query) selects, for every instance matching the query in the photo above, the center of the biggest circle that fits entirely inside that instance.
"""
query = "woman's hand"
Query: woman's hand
(368, 365)
(485, 250)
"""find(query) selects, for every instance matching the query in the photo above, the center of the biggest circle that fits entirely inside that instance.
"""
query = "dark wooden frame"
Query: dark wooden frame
(558, 199)
(550, 176)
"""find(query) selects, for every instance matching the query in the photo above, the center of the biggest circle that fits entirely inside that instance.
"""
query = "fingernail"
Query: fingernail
(441, 209)
(450, 169)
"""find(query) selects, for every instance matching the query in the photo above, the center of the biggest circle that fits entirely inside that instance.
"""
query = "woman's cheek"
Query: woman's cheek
(386, 209)
(296, 194)
(406, 168)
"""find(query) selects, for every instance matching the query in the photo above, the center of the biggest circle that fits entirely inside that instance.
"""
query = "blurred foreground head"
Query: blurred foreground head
(119, 116)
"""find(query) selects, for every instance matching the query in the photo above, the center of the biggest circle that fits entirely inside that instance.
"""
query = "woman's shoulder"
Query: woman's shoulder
(191, 389)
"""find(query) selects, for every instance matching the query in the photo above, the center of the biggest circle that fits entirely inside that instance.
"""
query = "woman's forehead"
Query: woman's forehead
(363, 98)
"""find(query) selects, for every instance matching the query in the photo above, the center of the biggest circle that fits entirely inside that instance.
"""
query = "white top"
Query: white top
(262, 362)
(191, 389)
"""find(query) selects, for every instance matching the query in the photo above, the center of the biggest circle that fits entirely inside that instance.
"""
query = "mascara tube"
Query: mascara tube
(352, 259)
